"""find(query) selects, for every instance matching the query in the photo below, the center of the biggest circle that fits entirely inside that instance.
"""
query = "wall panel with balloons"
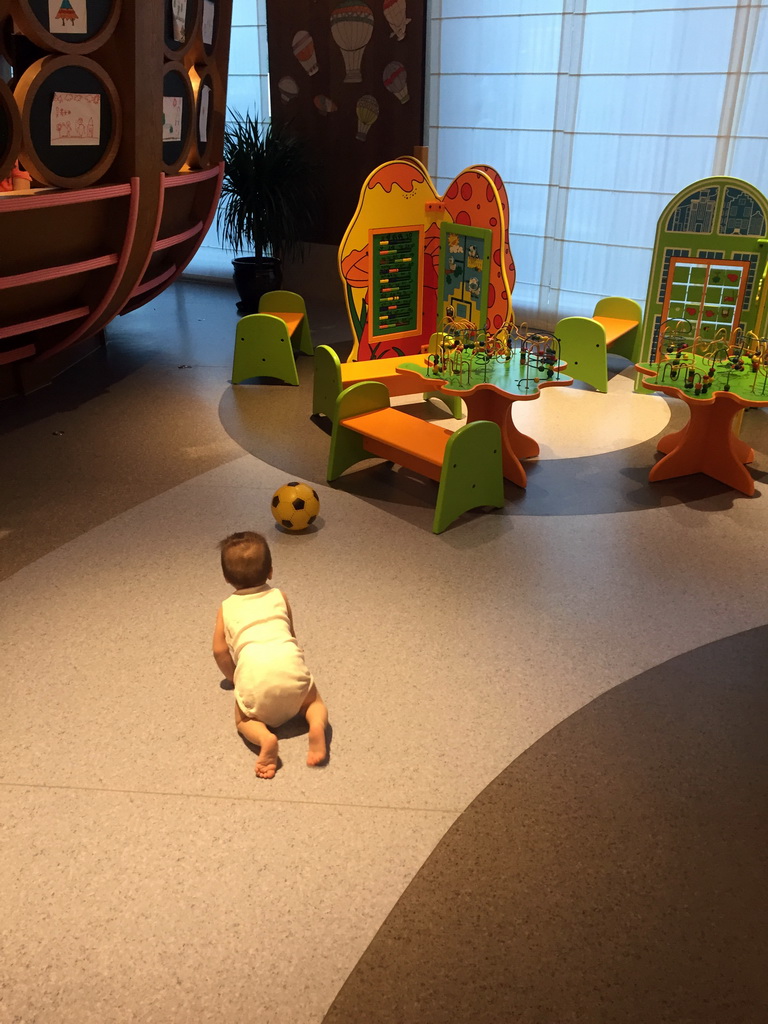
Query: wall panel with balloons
(349, 77)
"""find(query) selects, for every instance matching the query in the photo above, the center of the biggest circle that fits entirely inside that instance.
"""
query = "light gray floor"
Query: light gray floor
(147, 876)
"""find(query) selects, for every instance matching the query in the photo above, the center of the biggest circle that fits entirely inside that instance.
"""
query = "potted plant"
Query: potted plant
(267, 202)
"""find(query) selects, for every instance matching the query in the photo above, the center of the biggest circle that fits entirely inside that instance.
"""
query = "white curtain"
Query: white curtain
(595, 113)
(247, 91)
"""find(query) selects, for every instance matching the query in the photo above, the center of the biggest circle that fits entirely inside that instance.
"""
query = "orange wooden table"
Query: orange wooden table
(492, 399)
(707, 443)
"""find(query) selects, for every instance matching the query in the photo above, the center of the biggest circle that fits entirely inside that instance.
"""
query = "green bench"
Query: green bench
(586, 341)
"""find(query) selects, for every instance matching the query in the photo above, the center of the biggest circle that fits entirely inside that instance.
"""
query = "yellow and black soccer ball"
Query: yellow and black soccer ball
(295, 506)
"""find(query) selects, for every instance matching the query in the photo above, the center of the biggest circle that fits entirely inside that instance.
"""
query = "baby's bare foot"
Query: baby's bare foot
(318, 751)
(266, 763)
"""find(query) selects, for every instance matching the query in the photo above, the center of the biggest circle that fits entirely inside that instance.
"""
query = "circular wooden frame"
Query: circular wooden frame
(32, 95)
(6, 29)
(28, 16)
(173, 50)
(9, 113)
(200, 151)
(176, 83)
(209, 48)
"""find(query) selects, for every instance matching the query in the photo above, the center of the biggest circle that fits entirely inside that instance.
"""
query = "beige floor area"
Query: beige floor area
(147, 875)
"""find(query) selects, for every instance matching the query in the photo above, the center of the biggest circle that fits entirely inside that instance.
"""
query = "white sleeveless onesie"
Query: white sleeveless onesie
(271, 678)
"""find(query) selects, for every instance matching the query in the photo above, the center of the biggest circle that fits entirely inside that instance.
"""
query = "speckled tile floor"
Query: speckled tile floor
(534, 715)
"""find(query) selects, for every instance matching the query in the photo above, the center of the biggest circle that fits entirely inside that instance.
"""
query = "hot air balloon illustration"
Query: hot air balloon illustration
(325, 104)
(367, 111)
(304, 51)
(394, 12)
(351, 28)
(395, 80)
(288, 88)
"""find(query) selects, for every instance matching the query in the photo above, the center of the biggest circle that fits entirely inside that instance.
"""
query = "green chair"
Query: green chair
(278, 302)
(263, 349)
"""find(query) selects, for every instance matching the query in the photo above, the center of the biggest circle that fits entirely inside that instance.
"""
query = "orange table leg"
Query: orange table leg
(707, 445)
(669, 442)
(741, 449)
(488, 404)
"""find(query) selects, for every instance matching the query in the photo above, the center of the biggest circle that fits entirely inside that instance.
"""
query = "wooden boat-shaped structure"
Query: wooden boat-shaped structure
(116, 219)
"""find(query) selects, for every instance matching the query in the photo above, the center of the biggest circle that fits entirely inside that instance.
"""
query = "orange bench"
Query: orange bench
(466, 463)
(332, 377)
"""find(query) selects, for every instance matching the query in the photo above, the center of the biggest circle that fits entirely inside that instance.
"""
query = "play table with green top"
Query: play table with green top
(489, 390)
(708, 443)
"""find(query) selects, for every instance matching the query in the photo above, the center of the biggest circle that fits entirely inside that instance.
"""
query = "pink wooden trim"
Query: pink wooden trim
(151, 249)
(172, 181)
(50, 273)
(71, 197)
(201, 176)
(211, 213)
(47, 321)
(17, 353)
(182, 236)
(130, 232)
(155, 281)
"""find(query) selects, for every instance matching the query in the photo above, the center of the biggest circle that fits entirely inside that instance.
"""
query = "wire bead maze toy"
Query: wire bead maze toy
(704, 364)
(465, 352)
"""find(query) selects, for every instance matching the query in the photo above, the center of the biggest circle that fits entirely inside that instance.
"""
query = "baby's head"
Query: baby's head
(245, 560)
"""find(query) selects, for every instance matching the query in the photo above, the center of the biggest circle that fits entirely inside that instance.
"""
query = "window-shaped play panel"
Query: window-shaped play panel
(709, 294)
(396, 282)
(465, 258)
(709, 268)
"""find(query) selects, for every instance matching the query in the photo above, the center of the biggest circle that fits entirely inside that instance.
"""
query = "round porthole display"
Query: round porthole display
(68, 26)
(71, 123)
(178, 111)
(10, 130)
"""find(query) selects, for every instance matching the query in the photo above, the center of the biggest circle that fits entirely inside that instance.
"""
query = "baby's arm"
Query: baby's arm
(221, 652)
(290, 615)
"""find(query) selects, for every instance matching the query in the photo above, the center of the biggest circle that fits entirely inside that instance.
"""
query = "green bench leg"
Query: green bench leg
(583, 348)
(472, 473)
(327, 383)
(347, 446)
(453, 402)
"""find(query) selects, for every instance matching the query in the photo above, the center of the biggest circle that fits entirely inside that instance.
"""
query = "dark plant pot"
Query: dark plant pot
(254, 276)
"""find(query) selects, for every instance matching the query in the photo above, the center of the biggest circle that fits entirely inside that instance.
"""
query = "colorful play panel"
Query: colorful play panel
(466, 463)
(709, 265)
(490, 374)
(410, 253)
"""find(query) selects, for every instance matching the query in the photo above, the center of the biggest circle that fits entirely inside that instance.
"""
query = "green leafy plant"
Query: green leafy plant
(268, 194)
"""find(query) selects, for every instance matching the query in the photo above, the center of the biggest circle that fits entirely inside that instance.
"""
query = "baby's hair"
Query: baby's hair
(245, 559)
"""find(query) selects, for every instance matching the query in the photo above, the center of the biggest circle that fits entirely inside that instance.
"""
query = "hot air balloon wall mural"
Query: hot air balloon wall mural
(352, 28)
(359, 90)
(116, 110)
(394, 12)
